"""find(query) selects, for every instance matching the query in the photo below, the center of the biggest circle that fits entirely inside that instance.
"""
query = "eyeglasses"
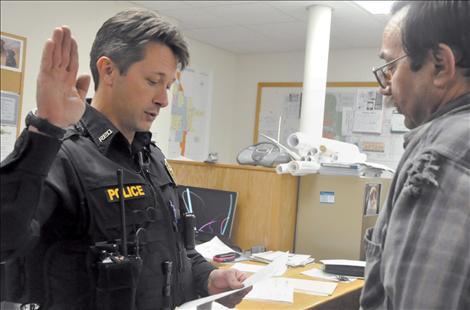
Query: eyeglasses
(383, 74)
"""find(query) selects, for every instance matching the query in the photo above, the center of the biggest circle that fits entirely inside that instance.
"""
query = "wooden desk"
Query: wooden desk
(345, 297)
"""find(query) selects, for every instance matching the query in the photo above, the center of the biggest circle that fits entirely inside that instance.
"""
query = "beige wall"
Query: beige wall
(345, 65)
(235, 77)
(35, 20)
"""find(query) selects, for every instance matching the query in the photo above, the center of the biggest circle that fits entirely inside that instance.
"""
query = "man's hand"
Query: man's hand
(60, 95)
(221, 280)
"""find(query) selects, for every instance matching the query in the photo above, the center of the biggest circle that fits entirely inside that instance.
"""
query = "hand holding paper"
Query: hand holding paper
(270, 270)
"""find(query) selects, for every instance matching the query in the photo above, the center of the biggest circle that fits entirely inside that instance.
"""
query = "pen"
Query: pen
(173, 215)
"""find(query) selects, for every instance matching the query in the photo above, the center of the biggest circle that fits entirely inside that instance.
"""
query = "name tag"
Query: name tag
(129, 191)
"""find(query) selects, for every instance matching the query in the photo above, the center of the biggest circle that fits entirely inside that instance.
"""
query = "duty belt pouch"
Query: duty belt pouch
(116, 282)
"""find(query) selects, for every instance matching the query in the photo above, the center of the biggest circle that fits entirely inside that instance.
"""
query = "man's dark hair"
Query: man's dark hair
(124, 36)
(428, 23)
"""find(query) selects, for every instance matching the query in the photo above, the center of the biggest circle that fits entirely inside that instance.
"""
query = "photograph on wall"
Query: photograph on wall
(9, 105)
(11, 52)
(371, 199)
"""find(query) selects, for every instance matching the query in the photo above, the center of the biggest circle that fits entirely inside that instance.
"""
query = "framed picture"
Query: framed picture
(11, 53)
(372, 199)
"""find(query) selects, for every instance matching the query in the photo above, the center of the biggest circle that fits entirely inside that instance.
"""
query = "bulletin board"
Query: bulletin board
(354, 113)
(13, 54)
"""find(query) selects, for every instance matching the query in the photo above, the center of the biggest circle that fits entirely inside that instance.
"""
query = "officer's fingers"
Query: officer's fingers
(47, 53)
(72, 66)
(66, 46)
(242, 276)
(232, 279)
(57, 39)
(83, 82)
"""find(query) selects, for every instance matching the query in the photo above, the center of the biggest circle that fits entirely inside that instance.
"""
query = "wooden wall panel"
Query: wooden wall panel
(267, 202)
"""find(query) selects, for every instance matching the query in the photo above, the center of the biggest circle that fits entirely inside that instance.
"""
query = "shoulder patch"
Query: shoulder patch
(170, 171)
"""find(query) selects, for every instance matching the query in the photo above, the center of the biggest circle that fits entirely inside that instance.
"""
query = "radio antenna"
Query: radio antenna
(120, 179)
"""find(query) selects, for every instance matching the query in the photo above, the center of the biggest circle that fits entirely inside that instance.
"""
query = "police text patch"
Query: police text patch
(130, 192)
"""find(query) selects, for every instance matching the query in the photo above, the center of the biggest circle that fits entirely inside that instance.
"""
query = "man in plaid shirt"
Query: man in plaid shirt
(418, 254)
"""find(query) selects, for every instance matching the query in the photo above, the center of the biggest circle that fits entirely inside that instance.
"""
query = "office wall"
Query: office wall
(235, 76)
(36, 20)
(344, 65)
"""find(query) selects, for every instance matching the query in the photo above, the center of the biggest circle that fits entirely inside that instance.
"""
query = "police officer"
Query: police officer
(59, 193)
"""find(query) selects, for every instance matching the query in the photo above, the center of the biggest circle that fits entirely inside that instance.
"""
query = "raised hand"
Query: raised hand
(60, 95)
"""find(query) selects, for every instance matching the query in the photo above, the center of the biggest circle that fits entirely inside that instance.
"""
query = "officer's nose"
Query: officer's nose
(161, 98)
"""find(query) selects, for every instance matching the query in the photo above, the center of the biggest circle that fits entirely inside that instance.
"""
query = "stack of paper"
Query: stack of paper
(282, 289)
(211, 248)
(294, 260)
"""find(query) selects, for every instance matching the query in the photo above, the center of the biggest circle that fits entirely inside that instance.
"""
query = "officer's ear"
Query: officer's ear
(107, 70)
(444, 65)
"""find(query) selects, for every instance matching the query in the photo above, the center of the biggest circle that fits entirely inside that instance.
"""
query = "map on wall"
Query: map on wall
(190, 115)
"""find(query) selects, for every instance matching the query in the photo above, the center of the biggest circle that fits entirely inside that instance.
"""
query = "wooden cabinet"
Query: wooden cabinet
(267, 202)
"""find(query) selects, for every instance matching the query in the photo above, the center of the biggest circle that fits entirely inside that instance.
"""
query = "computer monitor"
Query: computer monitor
(214, 210)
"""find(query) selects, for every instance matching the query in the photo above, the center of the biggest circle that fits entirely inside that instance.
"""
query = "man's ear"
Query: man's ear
(107, 70)
(444, 64)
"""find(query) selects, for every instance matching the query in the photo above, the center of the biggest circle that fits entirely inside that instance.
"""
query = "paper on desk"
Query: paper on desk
(345, 262)
(278, 266)
(318, 273)
(293, 260)
(212, 247)
(253, 268)
(272, 289)
(268, 271)
(312, 287)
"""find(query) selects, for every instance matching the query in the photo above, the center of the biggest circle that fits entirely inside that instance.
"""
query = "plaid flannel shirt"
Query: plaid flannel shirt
(418, 254)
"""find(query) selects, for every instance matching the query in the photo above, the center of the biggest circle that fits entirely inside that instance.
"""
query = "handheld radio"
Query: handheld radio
(117, 272)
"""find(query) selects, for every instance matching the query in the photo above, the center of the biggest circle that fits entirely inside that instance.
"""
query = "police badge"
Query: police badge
(170, 171)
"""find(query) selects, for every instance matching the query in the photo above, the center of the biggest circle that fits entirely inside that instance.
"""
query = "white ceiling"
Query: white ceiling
(269, 26)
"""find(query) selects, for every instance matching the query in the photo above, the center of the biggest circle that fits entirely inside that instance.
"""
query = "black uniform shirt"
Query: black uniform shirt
(79, 204)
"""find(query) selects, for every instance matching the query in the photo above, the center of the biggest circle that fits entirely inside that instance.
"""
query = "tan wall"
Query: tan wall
(334, 230)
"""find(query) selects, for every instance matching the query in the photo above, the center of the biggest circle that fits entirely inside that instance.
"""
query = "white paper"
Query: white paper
(247, 267)
(278, 266)
(345, 262)
(318, 273)
(7, 140)
(273, 289)
(197, 302)
(296, 260)
(293, 260)
(211, 248)
(268, 271)
(312, 287)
